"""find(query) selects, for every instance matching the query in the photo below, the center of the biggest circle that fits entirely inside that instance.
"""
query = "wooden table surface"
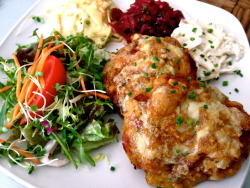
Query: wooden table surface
(239, 8)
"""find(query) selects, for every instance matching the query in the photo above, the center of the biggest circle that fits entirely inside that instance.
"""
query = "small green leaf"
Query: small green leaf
(38, 19)
(31, 168)
(38, 74)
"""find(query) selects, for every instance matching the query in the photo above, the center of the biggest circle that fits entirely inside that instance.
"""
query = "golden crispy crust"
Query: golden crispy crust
(142, 61)
(178, 130)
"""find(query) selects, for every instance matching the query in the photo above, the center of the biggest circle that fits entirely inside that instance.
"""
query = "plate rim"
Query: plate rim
(21, 19)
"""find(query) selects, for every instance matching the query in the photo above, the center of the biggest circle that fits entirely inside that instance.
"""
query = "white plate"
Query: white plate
(125, 175)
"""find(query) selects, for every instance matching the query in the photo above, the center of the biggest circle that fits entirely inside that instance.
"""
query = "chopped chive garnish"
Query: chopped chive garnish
(169, 180)
(225, 83)
(177, 61)
(123, 84)
(172, 91)
(184, 87)
(177, 151)
(144, 58)
(154, 66)
(167, 50)
(145, 74)
(238, 72)
(184, 44)
(192, 95)
(216, 65)
(206, 73)
(202, 55)
(236, 90)
(202, 85)
(145, 7)
(194, 29)
(112, 168)
(229, 63)
(192, 38)
(158, 39)
(175, 83)
(205, 106)
(186, 154)
(156, 59)
(190, 122)
(129, 93)
(178, 120)
(211, 42)
(87, 22)
(210, 30)
(148, 89)
(211, 46)
(178, 179)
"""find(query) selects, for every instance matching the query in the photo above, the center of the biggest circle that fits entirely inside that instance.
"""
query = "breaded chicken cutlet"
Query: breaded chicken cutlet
(178, 130)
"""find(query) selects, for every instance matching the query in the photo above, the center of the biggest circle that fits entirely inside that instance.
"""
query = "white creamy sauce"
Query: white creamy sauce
(213, 50)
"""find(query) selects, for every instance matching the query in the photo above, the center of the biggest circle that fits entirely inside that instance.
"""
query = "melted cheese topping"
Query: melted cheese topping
(142, 145)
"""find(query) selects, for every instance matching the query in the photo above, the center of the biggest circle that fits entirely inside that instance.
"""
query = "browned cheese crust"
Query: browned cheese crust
(179, 131)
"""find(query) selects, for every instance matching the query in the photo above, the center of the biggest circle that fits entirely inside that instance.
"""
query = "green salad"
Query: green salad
(54, 105)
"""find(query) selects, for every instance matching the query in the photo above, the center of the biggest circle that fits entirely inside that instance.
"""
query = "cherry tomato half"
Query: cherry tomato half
(53, 72)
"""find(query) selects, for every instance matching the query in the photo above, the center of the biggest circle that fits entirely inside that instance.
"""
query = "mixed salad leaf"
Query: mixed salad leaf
(74, 122)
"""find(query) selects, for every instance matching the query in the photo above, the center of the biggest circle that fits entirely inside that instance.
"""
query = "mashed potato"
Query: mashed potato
(89, 17)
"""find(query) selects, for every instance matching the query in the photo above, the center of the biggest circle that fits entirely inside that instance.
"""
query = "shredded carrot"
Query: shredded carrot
(57, 38)
(32, 69)
(16, 109)
(45, 55)
(81, 79)
(6, 88)
(28, 85)
(98, 95)
(84, 88)
(31, 98)
(10, 124)
(24, 90)
(40, 44)
(41, 81)
(51, 44)
(19, 75)
(19, 150)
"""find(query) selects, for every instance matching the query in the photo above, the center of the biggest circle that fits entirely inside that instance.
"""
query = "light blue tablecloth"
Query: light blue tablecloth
(10, 13)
